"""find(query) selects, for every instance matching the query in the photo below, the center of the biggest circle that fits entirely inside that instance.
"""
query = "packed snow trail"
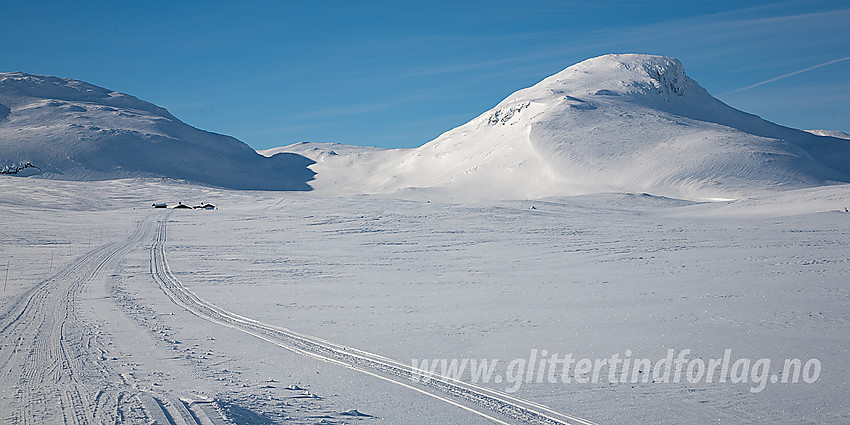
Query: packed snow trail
(461, 394)
(55, 366)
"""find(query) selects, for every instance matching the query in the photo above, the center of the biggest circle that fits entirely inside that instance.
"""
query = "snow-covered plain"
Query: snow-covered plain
(589, 275)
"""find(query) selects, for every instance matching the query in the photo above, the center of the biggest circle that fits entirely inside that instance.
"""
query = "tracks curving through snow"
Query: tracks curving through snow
(54, 366)
(51, 361)
(473, 398)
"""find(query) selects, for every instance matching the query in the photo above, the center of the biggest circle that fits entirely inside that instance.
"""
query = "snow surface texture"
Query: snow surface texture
(628, 123)
(73, 130)
(590, 275)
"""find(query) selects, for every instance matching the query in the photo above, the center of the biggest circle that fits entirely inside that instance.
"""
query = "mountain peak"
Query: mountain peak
(639, 74)
(634, 76)
(619, 122)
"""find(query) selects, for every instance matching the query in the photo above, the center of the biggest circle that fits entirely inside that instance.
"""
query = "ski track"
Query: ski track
(461, 394)
(54, 365)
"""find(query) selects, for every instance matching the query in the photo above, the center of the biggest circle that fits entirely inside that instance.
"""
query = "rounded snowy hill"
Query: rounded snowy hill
(69, 129)
(615, 123)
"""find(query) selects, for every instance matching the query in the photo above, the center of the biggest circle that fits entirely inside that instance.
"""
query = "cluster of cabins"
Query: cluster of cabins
(182, 206)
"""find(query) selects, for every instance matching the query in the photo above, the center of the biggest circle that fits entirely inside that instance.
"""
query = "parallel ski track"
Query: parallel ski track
(54, 363)
(50, 358)
(463, 395)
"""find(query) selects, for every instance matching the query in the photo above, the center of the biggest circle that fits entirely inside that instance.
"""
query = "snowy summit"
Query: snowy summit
(627, 123)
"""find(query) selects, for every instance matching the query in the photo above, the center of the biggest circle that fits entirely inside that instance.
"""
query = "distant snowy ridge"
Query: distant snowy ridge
(830, 133)
(70, 129)
(316, 151)
(615, 123)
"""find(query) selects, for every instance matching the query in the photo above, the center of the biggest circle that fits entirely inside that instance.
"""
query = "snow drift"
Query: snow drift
(73, 130)
(615, 123)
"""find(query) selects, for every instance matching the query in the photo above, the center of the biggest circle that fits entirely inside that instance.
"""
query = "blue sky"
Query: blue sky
(397, 74)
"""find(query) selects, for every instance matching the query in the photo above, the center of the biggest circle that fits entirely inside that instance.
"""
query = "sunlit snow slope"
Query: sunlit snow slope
(69, 129)
(633, 123)
(830, 133)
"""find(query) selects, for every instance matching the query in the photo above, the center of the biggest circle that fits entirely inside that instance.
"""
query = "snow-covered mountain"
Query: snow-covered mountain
(616, 123)
(632, 123)
(74, 130)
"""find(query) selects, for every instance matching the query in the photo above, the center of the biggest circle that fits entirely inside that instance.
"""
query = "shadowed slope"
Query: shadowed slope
(74, 130)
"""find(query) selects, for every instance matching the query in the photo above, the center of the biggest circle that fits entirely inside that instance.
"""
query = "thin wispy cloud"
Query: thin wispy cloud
(699, 33)
(790, 74)
(359, 108)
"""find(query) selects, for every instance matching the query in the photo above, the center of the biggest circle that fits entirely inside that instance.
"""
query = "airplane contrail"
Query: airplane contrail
(790, 74)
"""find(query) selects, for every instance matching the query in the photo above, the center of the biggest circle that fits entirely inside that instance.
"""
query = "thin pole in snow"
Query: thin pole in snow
(6, 282)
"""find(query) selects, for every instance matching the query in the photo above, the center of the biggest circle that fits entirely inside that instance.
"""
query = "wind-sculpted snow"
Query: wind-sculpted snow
(74, 130)
(616, 123)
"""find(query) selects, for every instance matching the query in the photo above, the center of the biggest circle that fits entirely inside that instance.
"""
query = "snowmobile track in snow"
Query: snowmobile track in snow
(55, 365)
(460, 394)
(51, 360)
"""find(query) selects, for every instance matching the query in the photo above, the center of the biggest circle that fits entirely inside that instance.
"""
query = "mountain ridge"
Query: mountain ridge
(615, 123)
(70, 129)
